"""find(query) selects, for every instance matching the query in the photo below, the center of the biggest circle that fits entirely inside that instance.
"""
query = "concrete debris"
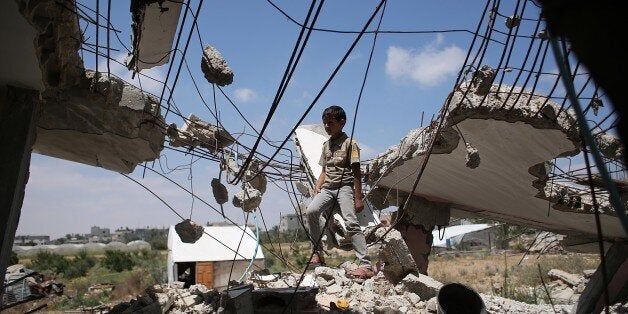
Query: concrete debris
(570, 279)
(418, 211)
(248, 199)
(610, 146)
(198, 133)
(588, 273)
(395, 255)
(189, 231)
(154, 26)
(303, 189)
(472, 159)
(483, 79)
(220, 191)
(543, 34)
(215, 67)
(255, 178)
(57, 42)
(162, 299)
(596, 104)
(424, 286)
(513, 21)
(101, 122)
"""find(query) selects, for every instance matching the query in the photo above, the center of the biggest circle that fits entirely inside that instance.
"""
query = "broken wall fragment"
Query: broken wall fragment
(198, 133)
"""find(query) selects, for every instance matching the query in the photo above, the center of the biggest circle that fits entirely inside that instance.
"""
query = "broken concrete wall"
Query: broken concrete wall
(57, 42)
(215, 67)
(101, 122)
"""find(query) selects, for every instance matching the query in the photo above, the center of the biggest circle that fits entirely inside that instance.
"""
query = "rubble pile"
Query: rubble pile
(162, 299)
(415, 293)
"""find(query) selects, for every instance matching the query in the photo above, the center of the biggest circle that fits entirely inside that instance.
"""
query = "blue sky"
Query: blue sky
(410, 74)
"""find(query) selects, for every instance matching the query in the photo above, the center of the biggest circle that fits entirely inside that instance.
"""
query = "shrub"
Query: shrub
(48, 262)
(79, 266)
(14, 259)
(118, 260)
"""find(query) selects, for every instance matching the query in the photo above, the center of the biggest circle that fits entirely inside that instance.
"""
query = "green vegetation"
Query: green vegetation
(118, 260)
(54, 264)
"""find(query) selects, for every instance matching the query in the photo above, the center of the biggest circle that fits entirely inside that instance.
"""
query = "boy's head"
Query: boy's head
(334, 118)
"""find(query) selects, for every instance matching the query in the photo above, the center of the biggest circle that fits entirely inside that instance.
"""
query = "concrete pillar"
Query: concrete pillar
(592, 298)
(17, 135)
(418, 238)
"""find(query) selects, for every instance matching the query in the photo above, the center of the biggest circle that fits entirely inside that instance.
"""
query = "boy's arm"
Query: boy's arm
(357, 187)
(319, 182)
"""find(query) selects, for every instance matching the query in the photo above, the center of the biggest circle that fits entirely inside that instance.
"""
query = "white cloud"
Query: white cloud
(429, 66)
(245, 94)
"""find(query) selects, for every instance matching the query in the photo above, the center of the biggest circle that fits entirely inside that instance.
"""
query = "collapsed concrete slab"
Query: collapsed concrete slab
(101, 122)
(514, 142)
(154, 25)
(247, 199)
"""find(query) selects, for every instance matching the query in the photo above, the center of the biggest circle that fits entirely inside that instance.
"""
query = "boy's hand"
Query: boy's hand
(359, 205)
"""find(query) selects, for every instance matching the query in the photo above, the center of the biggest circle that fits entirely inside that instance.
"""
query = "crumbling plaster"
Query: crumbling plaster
(512, 141)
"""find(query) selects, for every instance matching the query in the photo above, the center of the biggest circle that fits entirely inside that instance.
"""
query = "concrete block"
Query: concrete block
(215, 67)
(247, 199)
(395, 255)
(220, 191)
(198, 133)
(424, 286)
(189, 231)
(570, 279)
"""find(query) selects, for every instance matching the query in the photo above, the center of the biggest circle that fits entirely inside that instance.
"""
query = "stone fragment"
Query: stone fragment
(513, 21)
(333, 289)
(588, 273)
(570, 279)
(395, 255)
(424, 286)
(189, 231)
(215, 67)
(326, 273)
(596, 104)
(472, 159)
(164, 300)
(432, 305)
(177, 284)
(220, 191)
(247, 199)
(255, 178)
(483, 80)
(303, 189)
(412, 297)
(198, 133)
(562, 295)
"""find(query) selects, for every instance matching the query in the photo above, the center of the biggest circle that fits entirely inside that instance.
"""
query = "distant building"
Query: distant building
(99, 234)
(35, 239)
(289, 222)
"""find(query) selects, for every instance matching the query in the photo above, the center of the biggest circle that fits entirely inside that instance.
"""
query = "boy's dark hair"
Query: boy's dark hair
(335, 112)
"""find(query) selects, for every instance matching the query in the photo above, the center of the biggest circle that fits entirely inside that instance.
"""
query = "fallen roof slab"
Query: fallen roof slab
(101, 122)
(154, 25)
(510, 183)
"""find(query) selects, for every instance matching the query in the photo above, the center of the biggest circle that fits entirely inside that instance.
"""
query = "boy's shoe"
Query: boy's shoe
(361, 272)
(316, 261)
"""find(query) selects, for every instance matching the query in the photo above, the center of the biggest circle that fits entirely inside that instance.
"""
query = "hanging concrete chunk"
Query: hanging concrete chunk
(256, 179)
(220, 191)
(198, 133)
(247, 199)
(215, 67)
(189, 231)
(472, 159)
(100, 122)
(303, 189)
(154, 25)
(483, 80)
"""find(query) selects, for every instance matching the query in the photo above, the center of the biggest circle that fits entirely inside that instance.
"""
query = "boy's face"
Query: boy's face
(333, 127)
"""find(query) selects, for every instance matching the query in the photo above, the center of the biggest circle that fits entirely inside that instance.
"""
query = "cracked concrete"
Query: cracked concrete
(101, 122)
(198, 133)
(514, 143)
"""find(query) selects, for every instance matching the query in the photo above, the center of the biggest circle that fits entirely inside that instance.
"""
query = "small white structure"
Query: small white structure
(209, 260)
(453, 236)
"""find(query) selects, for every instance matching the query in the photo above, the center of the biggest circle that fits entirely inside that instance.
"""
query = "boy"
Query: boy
(339, 185)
